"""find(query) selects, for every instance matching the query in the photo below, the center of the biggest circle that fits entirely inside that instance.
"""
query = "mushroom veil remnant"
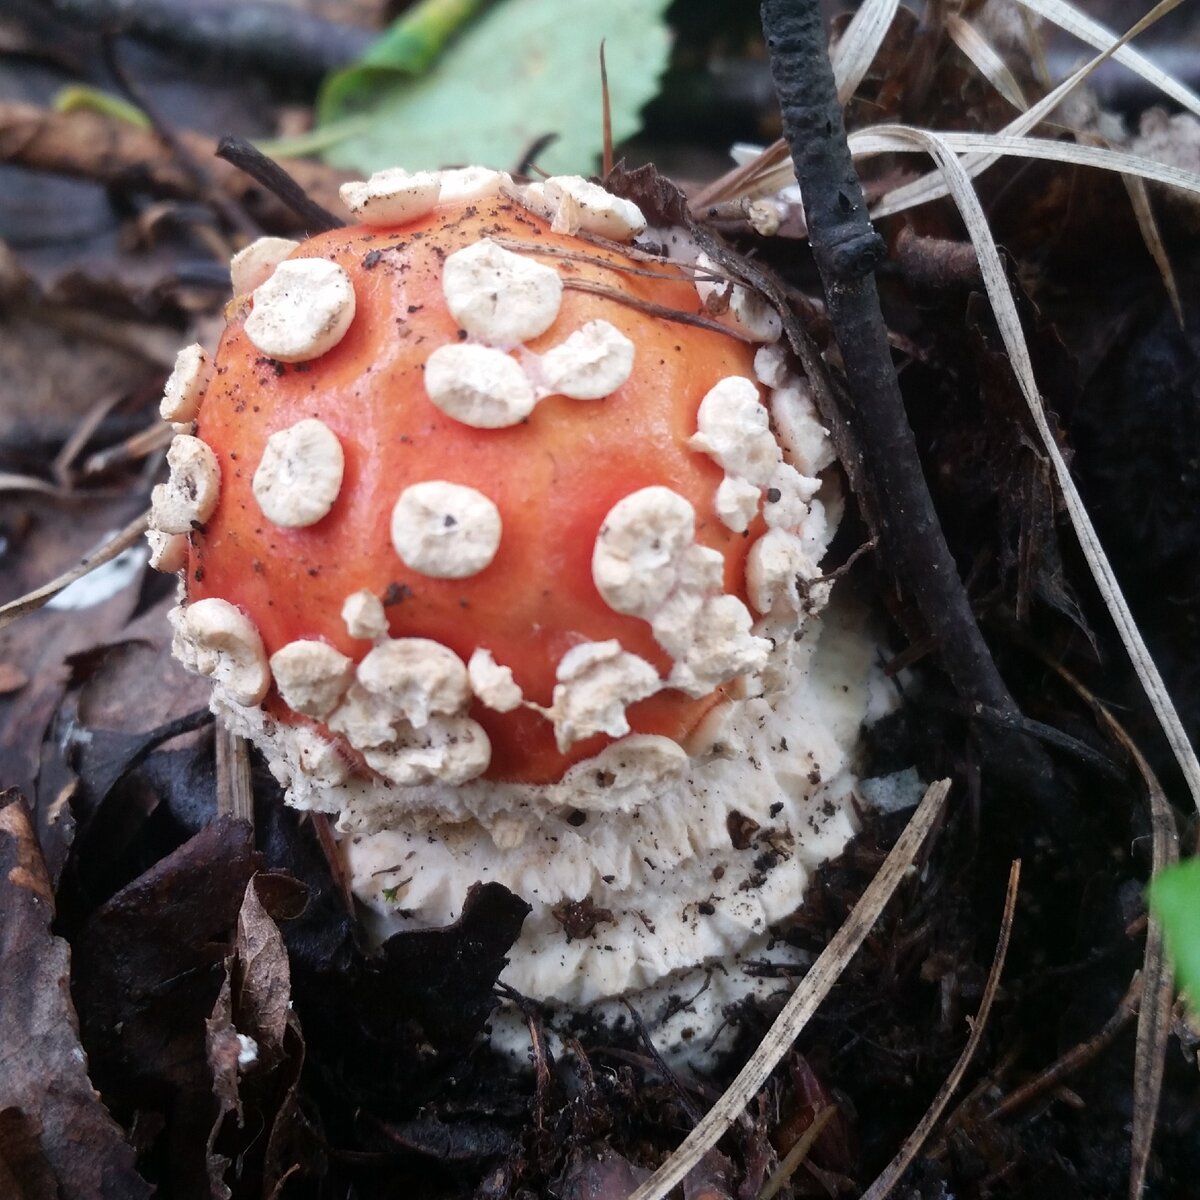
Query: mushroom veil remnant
(501, 540)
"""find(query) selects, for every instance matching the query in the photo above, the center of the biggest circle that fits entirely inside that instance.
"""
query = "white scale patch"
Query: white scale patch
(479, 386)
(596, 681)
(445, 530)
(311, 676)
(392, 197)
(646, 563)
(405, 713)
(462, 184)
(302, 311)
(577, 206)
(186, 385)
(364, 617)
(253, 265)
(493, 683)
(190, 495)
(591, 364)
(214, 638)
(300, 474)
(736, 306)
(500, 297)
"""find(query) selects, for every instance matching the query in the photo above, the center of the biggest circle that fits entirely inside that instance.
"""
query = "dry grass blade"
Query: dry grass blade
(805, 1001)
(1009, 324)
(897, 139)
(932, 187)
(1158, 984)
(891, 1174)
(1139, 201)
(235, 792)
(797, 1154)
(986, 59)
(1069, 18)
(851, 57)
(855, 50)
(32, 601)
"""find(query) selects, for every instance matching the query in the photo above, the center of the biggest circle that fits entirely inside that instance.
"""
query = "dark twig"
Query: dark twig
(847, 251)
(241, 154)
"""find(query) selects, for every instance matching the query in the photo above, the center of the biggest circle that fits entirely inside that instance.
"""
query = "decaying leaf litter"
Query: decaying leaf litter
(176, 956)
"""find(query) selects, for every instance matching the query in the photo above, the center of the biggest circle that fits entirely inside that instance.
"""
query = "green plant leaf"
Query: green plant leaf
(409, 47)
(1175, 901)
(524, 69)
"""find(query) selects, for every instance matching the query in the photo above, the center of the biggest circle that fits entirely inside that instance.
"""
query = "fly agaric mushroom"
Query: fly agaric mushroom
(501, 543)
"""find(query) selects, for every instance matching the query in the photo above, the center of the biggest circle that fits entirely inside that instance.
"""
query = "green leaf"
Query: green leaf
(524, 69)
(1175, 901)
(409, 47)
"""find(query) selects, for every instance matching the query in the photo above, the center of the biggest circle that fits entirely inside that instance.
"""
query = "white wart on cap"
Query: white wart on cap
(214, 638)
(500, 297)
(302, 311)
(253, 265)
(479, 386)
(445, 530)
(300, 474)
(192, 490)
(634, 562)
(591, 364)
(578, 206)
(185, 387)
(392, 197)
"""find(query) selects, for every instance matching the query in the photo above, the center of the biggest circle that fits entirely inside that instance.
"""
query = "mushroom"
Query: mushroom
(524, 573)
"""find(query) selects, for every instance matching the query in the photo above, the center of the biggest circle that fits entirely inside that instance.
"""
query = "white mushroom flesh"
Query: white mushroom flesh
(498, 296)
(445, 530)
(190, 495)
(299, 475)
(186, 385)
(479, 386)
(302, 311)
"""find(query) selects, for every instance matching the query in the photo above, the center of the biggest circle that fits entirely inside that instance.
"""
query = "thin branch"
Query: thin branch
(105, 150)
(1074, 1059)
(847, 250)
(266, 171)
(131, 535)
(655, 310)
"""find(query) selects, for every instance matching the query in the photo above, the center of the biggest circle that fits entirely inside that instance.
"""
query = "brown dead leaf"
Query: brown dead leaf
(255, 1048)
(149, 968)
(57, 1140)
